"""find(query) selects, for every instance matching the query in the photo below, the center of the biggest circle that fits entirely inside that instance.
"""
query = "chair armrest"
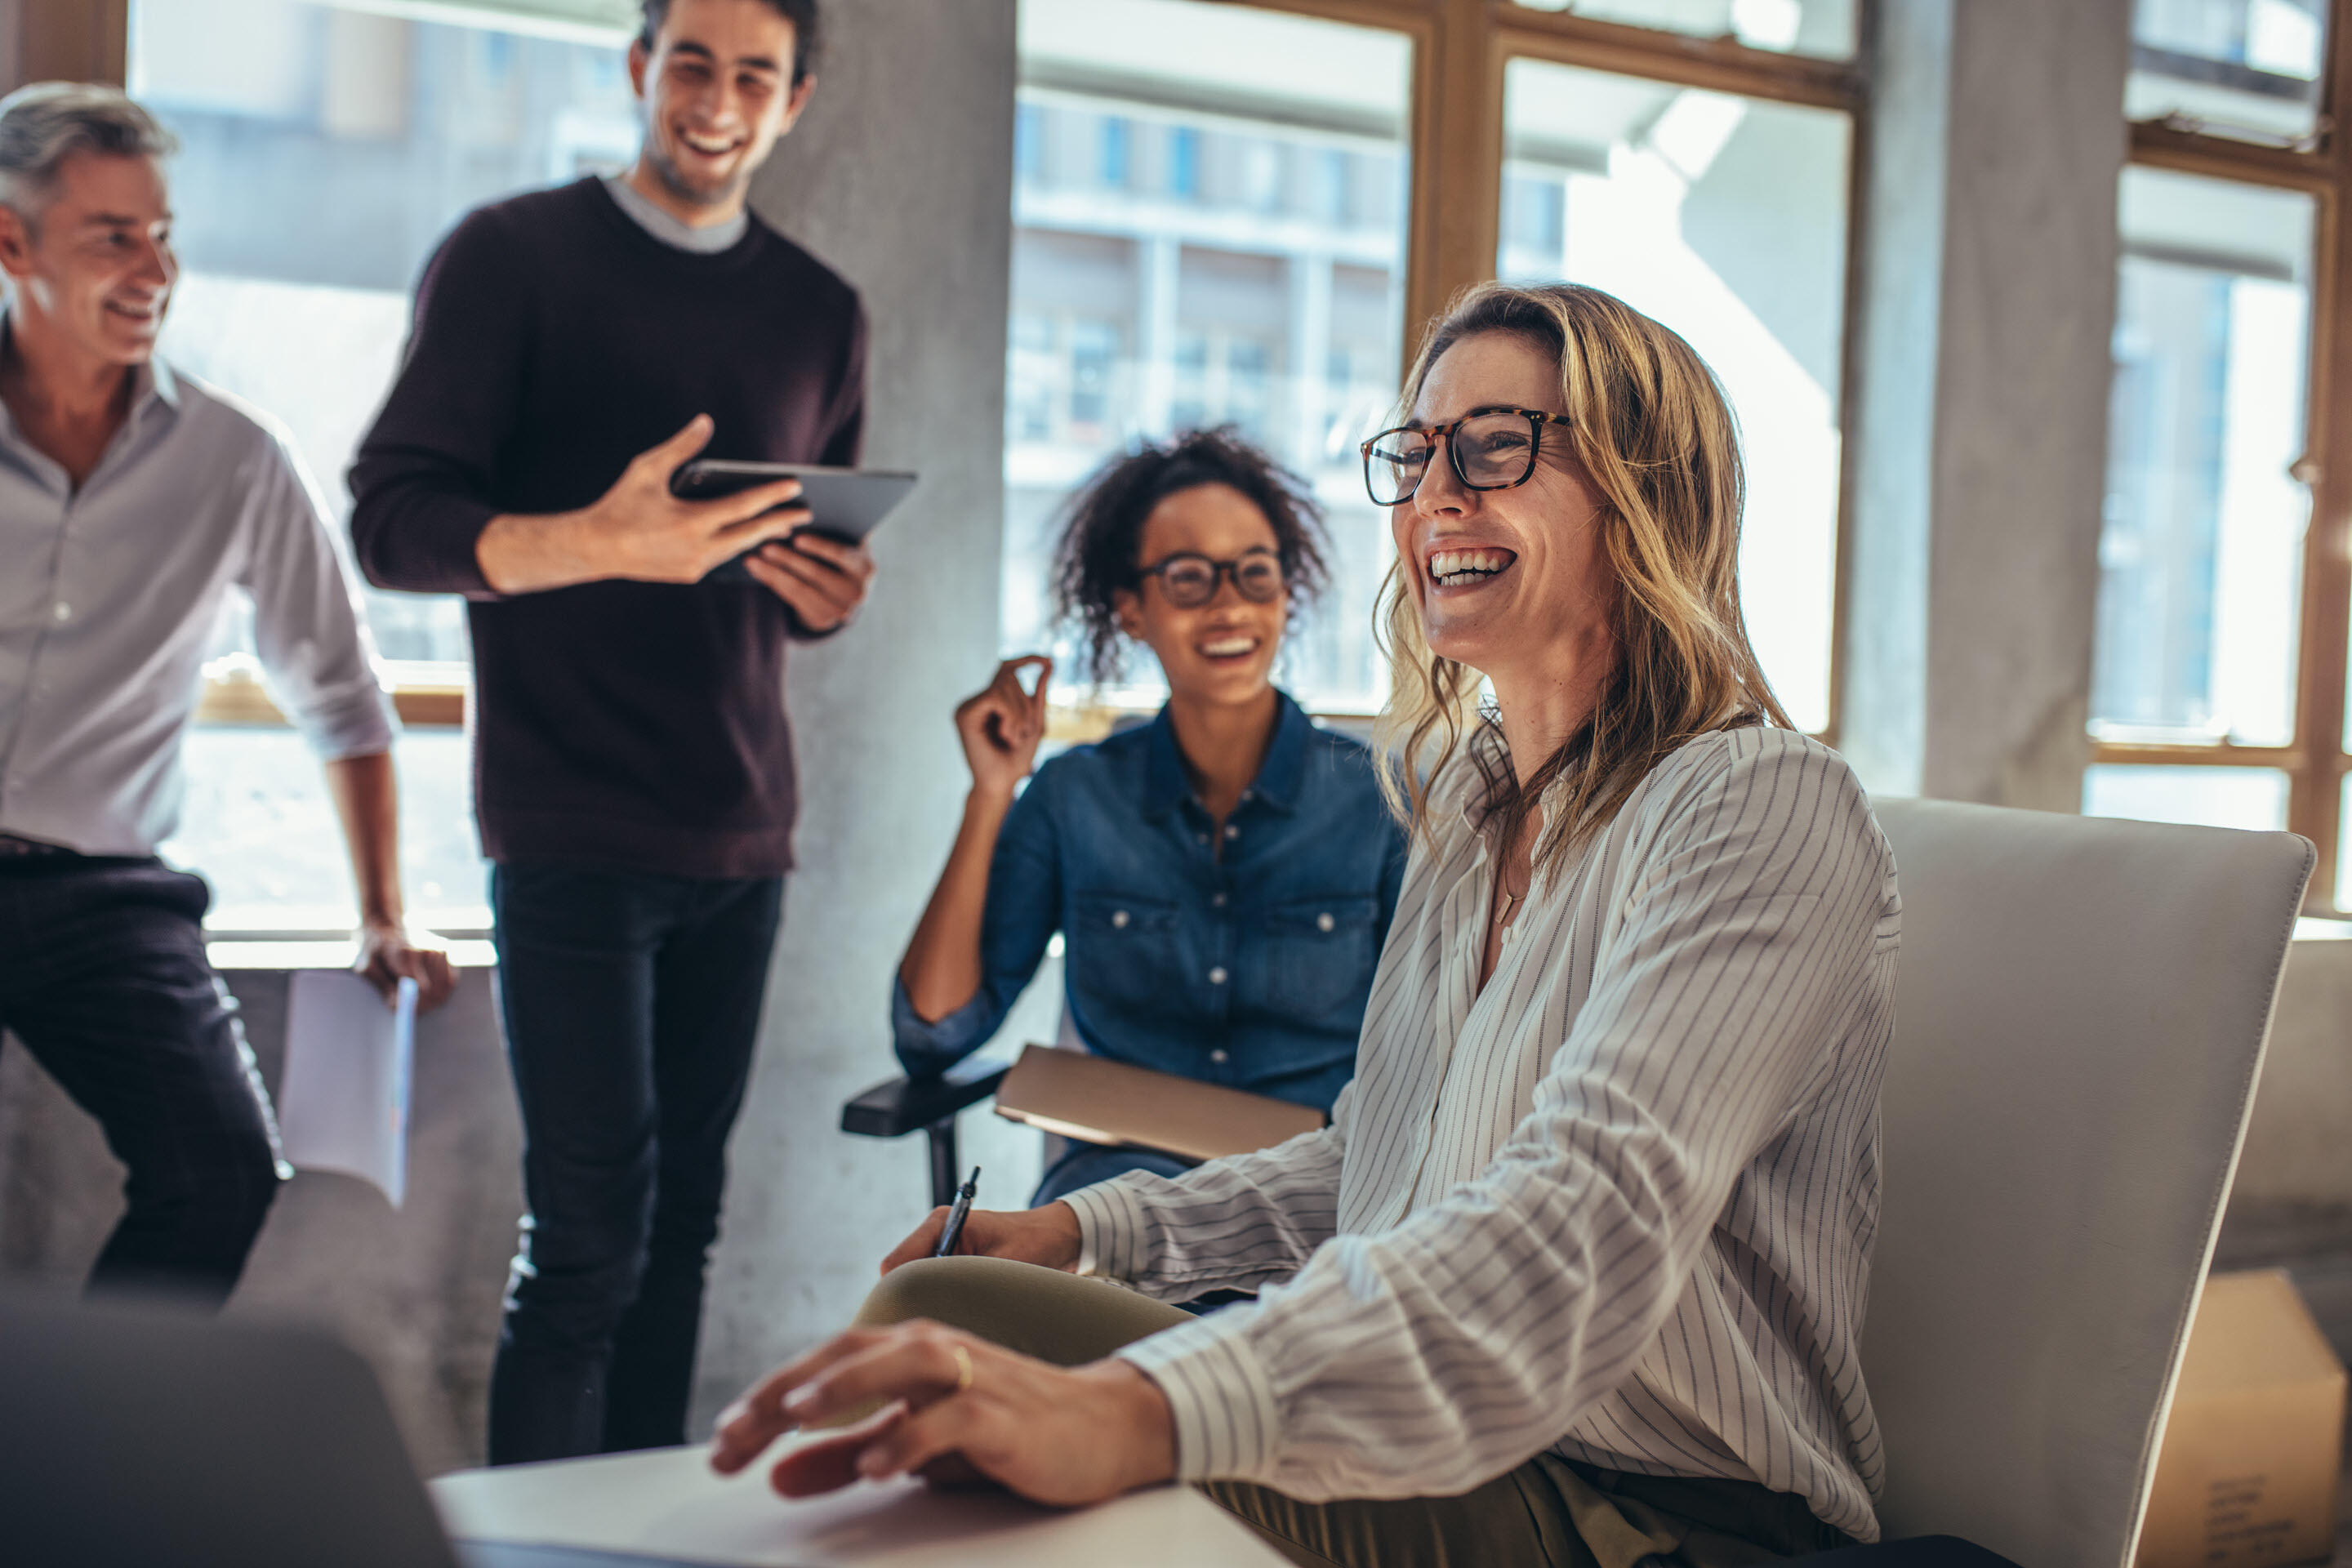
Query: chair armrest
(907, 1105)
(1918, 1552)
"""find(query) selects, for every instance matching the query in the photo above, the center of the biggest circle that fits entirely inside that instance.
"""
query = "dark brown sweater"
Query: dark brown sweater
(634, 725)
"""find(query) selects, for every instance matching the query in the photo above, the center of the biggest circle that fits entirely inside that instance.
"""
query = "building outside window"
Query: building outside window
(1269, 249)
(325, 150)
(1724, 217)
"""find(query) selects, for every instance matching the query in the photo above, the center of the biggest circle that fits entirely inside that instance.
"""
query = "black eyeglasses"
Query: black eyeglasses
(1492, 449)
(1190, 580)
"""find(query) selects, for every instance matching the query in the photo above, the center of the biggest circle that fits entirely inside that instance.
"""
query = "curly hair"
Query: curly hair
(1101, 547)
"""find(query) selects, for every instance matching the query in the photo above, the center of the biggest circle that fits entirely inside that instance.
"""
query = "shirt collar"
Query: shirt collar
(150, 383)
(1165, 785)
(662, 225)
(154, 379)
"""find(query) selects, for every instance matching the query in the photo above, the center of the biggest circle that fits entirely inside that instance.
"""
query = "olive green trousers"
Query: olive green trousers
(1549, 1512)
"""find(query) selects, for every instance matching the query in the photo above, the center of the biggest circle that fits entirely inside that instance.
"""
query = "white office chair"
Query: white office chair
(2080, 1015)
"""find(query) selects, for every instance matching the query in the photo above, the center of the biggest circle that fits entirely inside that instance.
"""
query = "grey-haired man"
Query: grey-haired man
(131, 499)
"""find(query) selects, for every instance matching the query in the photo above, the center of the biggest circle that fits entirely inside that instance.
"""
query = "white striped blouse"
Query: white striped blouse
(1619, 1204)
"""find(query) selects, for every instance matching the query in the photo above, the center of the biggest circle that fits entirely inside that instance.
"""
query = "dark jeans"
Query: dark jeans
(103, 976)
(631, 1004)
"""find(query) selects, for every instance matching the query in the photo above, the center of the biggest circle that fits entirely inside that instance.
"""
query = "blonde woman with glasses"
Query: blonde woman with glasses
(1576, 1274)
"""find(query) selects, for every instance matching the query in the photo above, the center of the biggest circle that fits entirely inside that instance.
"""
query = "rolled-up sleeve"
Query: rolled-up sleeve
(1024, 910)
(308, 627)
(1427, 1358)
(1234, 1223)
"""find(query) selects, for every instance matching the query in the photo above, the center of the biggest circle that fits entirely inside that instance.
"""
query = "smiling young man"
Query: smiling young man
(634, 766)
(131, 500)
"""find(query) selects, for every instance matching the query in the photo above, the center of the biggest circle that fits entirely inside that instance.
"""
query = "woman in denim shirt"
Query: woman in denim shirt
(1223, 876)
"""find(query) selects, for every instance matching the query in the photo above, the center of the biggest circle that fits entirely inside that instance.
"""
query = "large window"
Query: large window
(1228, 213)
(325, 149)
(1209, 228)
(1240, 214)
(2218, 689)
(1723, 216)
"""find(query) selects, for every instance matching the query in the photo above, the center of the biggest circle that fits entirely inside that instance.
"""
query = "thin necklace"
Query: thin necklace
(1510, 910)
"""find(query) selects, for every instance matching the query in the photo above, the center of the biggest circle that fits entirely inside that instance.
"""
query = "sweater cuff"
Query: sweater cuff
(1114, 1238)
(1219, 1395)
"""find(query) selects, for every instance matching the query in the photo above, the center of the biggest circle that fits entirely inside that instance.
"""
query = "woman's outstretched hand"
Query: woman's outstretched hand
(958, 1407)
(1047, 1237)
(1000, 725)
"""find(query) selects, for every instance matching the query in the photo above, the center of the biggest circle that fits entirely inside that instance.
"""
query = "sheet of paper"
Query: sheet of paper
(343, 1103)
(665, 1504)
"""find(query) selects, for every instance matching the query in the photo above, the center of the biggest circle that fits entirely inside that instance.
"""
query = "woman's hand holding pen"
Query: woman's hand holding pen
(1000, 726)
(1048, 1236)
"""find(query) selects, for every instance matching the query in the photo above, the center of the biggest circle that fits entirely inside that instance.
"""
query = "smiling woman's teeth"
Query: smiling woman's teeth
(1453, 567)
(1228, 646)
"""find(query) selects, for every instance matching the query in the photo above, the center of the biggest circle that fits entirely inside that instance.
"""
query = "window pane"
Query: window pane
(2201, 557)
(324, 150)
(1724, 219)
(2249, 69)
(2208, 797)
(260, 828)
(1245, 266)
(1823, 28)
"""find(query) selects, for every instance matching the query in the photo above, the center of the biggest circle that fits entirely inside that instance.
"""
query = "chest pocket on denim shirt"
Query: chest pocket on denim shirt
(1317, 954)
(1122, 949)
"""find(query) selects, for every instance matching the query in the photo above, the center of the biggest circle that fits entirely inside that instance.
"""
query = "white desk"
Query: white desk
(667, 1502)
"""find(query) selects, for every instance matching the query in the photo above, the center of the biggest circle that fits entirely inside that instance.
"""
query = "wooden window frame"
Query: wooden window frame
(2315, 760)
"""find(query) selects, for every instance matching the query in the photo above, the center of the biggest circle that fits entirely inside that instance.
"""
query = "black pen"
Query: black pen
(956, 1216)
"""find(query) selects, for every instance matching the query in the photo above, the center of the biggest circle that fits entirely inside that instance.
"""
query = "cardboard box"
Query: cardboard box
(2246, 1474)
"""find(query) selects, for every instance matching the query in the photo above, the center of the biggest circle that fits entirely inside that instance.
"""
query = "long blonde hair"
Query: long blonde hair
(1653, 435)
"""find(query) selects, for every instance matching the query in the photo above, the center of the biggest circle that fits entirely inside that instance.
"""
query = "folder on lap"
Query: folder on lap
(1097, 1101)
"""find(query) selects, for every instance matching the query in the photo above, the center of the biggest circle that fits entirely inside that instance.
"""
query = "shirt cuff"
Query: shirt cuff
(925, 1048)
(1218, 1396)
(1114, 1236)
(357, 724)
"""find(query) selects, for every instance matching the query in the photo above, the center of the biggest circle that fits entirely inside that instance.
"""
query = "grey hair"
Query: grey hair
(43, 125)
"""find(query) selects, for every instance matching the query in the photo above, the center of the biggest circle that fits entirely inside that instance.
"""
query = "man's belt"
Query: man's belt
(13, 847)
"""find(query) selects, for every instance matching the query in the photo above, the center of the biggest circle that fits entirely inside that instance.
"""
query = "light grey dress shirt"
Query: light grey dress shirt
(1618, 1203)
(109, 597)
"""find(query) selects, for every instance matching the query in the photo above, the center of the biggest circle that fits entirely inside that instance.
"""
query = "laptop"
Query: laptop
(1097, 1101)
(137, 1437)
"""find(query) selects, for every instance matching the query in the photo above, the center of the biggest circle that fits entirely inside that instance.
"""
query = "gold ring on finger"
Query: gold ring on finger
(963, 1368)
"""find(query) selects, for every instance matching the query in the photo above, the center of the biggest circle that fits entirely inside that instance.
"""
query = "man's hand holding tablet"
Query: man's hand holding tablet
(731, 521)
(821, 568)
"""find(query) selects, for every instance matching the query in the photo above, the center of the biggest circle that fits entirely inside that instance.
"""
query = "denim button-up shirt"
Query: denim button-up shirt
(1245, 962)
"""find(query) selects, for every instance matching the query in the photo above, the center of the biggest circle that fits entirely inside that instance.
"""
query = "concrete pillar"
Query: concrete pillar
(1989, 298)
(900, 177)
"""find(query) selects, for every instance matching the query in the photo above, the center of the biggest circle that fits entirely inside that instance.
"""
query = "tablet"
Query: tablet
(845, 504)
